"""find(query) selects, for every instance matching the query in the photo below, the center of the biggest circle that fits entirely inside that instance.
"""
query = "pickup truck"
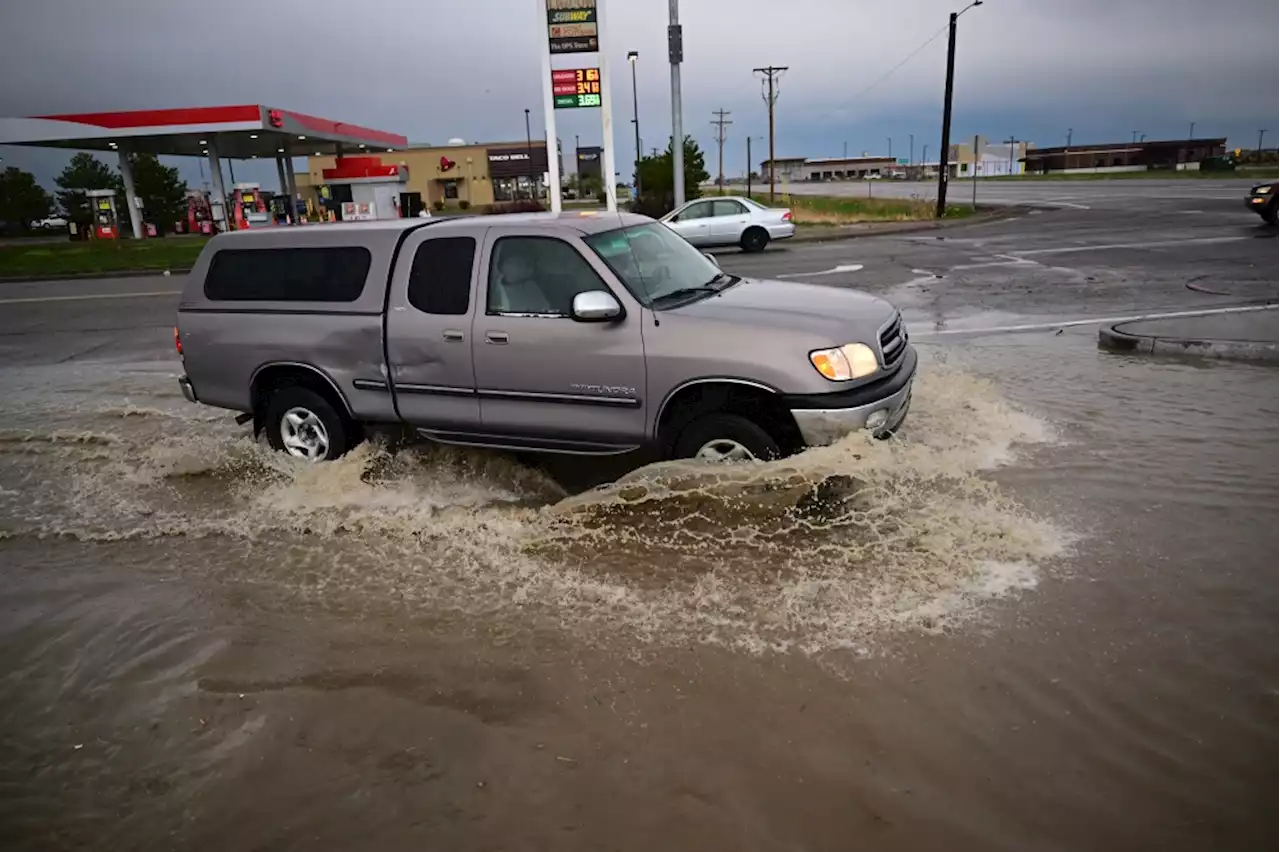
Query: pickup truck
(577, 333)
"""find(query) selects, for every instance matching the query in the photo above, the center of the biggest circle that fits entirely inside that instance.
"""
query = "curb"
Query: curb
(1115, 340)
(875, 229)
(81, 276)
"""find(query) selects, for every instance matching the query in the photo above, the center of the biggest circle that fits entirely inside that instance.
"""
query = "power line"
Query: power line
(894, 69)
(721, 124)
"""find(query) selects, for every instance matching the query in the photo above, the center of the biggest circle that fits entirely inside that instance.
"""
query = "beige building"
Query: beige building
(478, 174)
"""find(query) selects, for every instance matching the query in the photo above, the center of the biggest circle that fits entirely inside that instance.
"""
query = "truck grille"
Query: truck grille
(893, 341)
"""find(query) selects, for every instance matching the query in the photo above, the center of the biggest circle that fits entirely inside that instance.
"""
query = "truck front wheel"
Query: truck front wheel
(723, 437)
(303, 424)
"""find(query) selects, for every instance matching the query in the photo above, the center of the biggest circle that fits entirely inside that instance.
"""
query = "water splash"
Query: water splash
(823, 550)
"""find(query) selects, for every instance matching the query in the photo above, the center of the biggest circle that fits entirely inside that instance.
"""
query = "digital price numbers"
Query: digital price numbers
(572, 88)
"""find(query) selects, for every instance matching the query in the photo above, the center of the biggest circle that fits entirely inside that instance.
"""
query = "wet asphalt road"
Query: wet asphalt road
(1145, 196)
(204, 650)
(1145, 246)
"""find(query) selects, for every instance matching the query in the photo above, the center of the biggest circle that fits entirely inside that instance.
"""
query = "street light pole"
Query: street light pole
(632, 57)
(675, 53)
(528, 147)
(889, 139)
(943, 170)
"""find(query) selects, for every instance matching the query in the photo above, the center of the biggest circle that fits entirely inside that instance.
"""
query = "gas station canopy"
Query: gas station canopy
(244, 132)
(240, 132)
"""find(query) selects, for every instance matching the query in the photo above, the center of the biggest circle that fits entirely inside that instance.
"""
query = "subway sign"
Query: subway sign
(572, 88)
(572, 27)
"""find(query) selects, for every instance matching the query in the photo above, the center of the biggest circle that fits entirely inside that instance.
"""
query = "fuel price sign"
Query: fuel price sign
(572, 88)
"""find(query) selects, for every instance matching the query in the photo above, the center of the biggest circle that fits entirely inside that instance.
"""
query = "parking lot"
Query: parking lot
(1044, 618)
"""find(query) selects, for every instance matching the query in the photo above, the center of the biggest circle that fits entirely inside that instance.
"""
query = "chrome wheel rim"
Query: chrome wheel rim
(724, 450)
(304, 435)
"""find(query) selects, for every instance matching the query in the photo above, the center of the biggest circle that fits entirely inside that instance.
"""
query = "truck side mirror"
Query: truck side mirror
(596, 306)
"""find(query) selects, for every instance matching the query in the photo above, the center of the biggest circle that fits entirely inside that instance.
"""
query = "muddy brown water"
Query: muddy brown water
(1045, 618)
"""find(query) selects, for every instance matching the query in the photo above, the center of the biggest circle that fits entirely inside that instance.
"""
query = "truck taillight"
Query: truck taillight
(786, 215)
(177, 340)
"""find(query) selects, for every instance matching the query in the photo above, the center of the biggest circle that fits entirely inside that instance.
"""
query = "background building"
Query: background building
(589, 164)
(479, 174)
(1125, 156)
(988, 160)
(787, 169)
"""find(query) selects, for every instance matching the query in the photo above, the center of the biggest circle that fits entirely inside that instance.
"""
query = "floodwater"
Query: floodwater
(1044, 617)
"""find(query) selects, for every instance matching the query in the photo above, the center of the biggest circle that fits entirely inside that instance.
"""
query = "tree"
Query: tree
(160, 188)
(657, 183)
(85, 171)
(22, 200)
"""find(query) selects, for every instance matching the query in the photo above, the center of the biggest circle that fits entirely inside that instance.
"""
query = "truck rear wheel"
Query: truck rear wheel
(303, 424)
(724, 438)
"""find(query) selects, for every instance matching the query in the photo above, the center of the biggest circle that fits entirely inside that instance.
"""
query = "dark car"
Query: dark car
(1262, 200)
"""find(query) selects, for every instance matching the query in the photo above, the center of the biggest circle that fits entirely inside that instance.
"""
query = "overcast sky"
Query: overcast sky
(435, 69)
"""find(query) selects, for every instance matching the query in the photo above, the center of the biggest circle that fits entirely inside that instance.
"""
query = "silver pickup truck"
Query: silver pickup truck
(587, 333)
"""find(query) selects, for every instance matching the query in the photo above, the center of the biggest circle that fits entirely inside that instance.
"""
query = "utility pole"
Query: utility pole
(1011, 142)
(748, 167)
(721, 124)
(1069, 137)
(944, 154)
(846, 150)
(675, 54)
(1191, 134)
(771, 73)
(1261, 133)
(889, 139)
(633, 57)
(1135, 138)
(975, 171)
(911, 160)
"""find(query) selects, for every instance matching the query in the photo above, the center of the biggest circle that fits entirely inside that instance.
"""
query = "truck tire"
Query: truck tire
(754, 239)
(303, 424)
(724, 437)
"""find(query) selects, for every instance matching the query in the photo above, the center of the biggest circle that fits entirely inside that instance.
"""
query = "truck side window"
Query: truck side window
(320, 274)
(537, 275)
(440, 278)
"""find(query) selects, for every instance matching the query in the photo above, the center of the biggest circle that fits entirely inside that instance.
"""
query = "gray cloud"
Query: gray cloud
(434, 69)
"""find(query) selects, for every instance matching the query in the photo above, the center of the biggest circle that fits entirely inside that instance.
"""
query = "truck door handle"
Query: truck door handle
(499, 337)
(453, 335)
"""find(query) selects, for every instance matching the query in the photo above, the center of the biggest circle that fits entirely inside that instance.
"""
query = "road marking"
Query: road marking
(849, 267)
(30, 299)
(1009, 260)
(1070, 204)
(925, 277)
(1044, 326)
(1108, 246)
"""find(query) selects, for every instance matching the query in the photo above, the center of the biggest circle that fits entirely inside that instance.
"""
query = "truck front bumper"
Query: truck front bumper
(879, 406)
(188, 390)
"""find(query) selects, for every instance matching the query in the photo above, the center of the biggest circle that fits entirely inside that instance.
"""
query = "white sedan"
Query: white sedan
(728, 221)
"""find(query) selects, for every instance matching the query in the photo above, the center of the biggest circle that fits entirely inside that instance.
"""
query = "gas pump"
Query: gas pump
(102, 211)
(280, 211)
(199, 218)
(248, 207)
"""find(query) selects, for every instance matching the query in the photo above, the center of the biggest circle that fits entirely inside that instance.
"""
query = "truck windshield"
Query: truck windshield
(654, 262)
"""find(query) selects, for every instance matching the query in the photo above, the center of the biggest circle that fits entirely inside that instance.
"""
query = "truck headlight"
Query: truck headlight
(851, 361)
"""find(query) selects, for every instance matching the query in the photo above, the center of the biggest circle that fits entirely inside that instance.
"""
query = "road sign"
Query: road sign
(572, 26)
(572, 88)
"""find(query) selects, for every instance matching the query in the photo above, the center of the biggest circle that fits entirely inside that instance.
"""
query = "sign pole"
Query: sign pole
(548, 106)
(606, 117)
